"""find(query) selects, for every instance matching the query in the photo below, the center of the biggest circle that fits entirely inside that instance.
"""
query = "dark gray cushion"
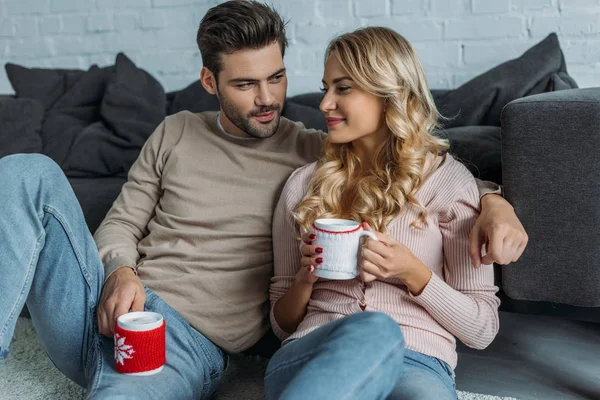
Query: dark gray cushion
(550, 170)
(43, 84)
(479, 149)
(20, 126)
(193, 98)
(310, 117)
(96, 196)
(480, 101)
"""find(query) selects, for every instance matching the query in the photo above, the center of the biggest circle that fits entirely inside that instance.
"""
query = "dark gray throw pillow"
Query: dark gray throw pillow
(310, 117)
(20, 126)
(193, 98)
(132, 106)
(478, 148)
(480, 101)
(42, 84)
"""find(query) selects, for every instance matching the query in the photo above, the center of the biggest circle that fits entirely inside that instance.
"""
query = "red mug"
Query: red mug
(140, 345)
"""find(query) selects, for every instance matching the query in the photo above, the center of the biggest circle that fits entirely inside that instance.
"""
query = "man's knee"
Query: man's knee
(19, 168)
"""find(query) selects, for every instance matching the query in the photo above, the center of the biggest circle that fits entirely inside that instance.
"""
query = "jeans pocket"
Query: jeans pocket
(448, 370)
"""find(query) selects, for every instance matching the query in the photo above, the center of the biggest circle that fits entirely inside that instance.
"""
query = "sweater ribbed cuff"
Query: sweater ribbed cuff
(115, 263)
(486, 187)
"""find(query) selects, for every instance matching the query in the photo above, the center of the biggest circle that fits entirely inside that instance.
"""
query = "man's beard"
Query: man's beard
(244, 122)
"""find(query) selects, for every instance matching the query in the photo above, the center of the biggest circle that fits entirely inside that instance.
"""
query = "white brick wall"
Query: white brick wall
(455, 39)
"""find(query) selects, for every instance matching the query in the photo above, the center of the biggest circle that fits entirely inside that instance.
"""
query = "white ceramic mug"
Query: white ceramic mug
(340, 240)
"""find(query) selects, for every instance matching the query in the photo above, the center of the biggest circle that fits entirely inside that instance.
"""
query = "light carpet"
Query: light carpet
(28, 374)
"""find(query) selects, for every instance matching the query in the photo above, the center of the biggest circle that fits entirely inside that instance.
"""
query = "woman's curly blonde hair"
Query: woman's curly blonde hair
(383, 63)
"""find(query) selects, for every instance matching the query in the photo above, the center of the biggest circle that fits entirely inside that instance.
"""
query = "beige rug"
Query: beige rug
(28, 374)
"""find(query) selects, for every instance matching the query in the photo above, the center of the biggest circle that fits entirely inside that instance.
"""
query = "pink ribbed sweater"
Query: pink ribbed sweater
(459, 300)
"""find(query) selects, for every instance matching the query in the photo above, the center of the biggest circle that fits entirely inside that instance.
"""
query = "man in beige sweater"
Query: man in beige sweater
(190, 234)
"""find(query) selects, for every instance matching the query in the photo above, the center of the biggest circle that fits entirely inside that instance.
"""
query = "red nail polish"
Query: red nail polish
(313, 236)
(319, 260)
(319, 250)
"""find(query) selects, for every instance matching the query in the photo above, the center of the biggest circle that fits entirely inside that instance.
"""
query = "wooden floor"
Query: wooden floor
(537, 358)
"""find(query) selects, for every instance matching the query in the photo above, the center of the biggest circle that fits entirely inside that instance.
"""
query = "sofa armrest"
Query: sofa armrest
(551, 175)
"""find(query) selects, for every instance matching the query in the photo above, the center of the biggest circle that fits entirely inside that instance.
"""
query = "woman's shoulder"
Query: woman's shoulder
(449, 172)
(297, 183)
(449, 181)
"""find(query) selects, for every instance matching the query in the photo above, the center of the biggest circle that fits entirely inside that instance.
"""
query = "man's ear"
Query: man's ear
(208, 80)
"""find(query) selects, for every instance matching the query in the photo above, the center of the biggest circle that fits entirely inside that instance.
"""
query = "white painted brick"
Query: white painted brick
(32, 48)
(299, 57)
(5, 87)
(124, 4)
(78, 45)
(317, 35)
(131, 41)
(493, 7)
(489, 55)
(566, 26)
(402, 7)
(78, 62)
(334, 10)
(450, 8)
(370, 8)
(521, 5)
(100, 23)
(176, 82)
(172, 62)
(152, 20)
(485, 27)
(74, 24)
(26, 26)
(173, 39)
(126, 22)
(306, 81)
(577, 4)
(438, 54)
(59, 6)
(14, 7)
(438, 79)
(101, 60)
(176, 18)
(415, 31)
(171, 3)
(7, 27)
(586, 75)
(296, 11)
(582, 52)
(50, 25)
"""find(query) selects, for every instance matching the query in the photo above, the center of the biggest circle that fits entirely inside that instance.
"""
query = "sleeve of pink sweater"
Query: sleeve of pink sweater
(286, 242)
(464, 302)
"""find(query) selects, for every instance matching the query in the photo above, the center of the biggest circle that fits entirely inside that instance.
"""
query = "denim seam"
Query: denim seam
(390, 354)
(100, 366)
(436, 372)
(13, 314)
(290, 363)
(80, 259)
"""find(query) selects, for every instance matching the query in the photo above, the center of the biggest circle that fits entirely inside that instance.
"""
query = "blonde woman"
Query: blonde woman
(389, 333)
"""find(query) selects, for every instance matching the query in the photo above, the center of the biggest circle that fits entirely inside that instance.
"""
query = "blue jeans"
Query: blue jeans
(48, 259)
(361, 356)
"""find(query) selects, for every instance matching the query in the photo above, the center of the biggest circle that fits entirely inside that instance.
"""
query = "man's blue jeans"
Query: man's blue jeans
(361, 356)
(48, 259)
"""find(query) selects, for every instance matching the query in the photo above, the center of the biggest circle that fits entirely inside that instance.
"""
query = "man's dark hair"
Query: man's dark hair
(238, 25)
